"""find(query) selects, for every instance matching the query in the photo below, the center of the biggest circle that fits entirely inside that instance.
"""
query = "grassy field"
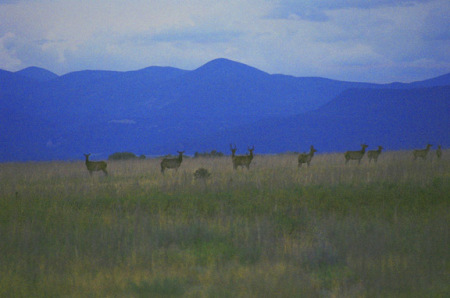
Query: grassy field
(330, 230)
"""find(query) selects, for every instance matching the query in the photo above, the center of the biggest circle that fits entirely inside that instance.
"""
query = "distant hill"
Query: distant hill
(393, 118)
(158, 110)
(38, 74)
(443, 80)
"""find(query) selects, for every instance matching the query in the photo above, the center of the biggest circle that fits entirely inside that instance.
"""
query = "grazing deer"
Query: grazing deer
(373, 154)
(355, 155)
(93, 166)
(306, 157)
(241, 160)
(422, 153)
(172, 163)
(439, 152)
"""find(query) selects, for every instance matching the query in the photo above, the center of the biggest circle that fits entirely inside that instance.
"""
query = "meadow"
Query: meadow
(328, 230)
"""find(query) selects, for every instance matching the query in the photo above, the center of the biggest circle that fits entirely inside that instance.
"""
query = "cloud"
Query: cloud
(196, 35)
(318, 10)
(342, 39)
(8, 56)
(11, 1)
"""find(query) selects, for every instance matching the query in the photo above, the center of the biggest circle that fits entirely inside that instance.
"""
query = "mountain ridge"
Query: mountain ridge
(37, 73)
(156, 110)
(394, 118)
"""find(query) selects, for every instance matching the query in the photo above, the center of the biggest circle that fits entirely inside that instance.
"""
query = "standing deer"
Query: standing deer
(93, 166)
(439, 152)
(241, 160)
(422, 153)
(172, 163)
(355, 155)
(306, 157)
(373, 154)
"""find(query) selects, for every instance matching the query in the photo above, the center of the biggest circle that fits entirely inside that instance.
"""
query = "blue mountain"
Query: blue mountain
(37, 73)
(158, 110)
(393, 118)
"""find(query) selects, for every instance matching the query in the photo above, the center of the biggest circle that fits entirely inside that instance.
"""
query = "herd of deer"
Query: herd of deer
(245, 160)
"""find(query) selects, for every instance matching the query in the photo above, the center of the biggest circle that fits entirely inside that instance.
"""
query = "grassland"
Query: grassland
(330, 230)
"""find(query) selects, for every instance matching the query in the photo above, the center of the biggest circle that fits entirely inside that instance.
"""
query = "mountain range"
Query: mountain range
(159, 110)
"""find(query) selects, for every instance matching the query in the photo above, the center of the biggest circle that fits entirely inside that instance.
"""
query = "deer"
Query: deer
(373, 154)
(355, 155)
(439, 152)
(241, 160)
(94, 166)
(422, 153)
(172, 163)
(306, 157)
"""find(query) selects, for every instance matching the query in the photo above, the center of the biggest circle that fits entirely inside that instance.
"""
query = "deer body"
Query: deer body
(241, 160)
(172, 163)
(355, 155)
(373, 154)
(439, 152)
(422, 153)
(94, 166)
(306, 157)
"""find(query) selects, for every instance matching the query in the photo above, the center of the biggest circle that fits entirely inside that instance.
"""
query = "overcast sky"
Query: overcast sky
(358, 40)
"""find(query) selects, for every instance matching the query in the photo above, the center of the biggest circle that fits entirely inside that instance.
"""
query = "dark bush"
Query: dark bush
(213, 153)
(202, 173)
(124, 156)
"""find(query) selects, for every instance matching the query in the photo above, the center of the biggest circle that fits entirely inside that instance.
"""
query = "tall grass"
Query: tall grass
(330, 230)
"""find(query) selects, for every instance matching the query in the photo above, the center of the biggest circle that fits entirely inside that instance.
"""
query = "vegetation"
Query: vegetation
(213, 153)
(329, 231)
(202, 173)
(124, 156)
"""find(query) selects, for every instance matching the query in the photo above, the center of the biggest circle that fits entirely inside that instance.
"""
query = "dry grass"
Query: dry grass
(330, 230)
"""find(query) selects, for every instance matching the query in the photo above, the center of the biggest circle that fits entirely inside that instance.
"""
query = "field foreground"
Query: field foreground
(330, 230)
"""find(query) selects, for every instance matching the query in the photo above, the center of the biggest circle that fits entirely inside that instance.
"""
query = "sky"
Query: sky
(378, 41)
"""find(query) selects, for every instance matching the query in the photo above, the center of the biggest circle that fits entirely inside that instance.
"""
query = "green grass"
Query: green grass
(330, 230)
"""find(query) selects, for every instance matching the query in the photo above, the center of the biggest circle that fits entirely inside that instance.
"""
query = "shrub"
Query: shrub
(201, 173)
(124, 156)
(213, 153)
